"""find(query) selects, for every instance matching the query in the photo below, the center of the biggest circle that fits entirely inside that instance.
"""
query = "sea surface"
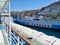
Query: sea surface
(47, 31)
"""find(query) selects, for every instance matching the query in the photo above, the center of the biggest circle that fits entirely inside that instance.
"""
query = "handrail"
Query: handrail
(20, 36)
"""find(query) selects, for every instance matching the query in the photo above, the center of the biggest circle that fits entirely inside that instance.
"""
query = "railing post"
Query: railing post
(9, 20)
(18, 41)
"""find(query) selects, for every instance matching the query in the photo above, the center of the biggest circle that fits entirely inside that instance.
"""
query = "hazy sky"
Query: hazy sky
(19, 5)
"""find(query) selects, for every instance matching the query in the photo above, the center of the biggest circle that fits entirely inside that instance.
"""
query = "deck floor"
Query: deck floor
(1, 38)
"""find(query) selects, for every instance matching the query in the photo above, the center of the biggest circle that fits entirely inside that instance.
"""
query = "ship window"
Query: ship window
(44, 25)
(36, 19)
(39, 25)
(48, 26)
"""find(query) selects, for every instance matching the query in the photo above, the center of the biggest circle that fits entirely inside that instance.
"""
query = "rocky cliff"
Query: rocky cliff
(52, 10)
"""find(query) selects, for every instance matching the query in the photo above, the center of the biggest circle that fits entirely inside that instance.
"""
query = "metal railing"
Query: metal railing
(16, 37)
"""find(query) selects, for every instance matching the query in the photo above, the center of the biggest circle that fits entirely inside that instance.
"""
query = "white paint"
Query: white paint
(38, 38)
(1, 38)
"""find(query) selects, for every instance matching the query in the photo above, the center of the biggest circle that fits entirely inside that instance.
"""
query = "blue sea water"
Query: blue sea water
(49, 32)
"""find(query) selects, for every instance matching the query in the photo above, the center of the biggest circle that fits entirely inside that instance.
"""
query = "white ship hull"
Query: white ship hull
(50, 24)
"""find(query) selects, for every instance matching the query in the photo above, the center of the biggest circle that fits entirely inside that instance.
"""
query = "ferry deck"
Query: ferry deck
(7, 35)
(14, 34)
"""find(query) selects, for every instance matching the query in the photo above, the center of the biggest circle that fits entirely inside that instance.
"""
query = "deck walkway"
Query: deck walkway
(3, 40)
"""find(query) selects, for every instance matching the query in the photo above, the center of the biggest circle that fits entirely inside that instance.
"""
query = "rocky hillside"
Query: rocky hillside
(52, 10)
(24, 13)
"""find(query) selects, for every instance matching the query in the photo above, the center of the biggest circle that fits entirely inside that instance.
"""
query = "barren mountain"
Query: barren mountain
(52, 10)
